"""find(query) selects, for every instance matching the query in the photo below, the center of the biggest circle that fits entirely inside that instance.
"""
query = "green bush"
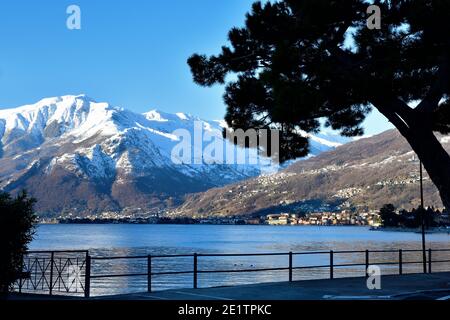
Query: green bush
(17, 227)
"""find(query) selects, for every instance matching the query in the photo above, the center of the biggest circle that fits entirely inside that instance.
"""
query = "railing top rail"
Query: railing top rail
(393, 250)
(414, 250)
(118, 257)
(56, 251)
(142, 257)
(243, 254)
(311, 252)
(348, 251)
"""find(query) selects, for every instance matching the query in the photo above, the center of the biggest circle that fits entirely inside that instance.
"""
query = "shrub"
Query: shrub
(17, 227)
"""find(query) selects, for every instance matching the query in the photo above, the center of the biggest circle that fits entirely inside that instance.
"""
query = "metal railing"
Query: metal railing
(55, 272)
(49, 277)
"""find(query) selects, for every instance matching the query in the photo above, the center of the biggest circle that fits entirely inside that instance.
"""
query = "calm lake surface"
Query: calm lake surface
(120, 240)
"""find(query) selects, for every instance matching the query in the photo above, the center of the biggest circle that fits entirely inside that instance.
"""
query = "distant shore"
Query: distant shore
(183, 221)
(414, 230)
(188, 221)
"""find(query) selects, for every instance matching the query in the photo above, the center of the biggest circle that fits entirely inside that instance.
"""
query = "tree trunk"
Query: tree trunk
(416, 127)
(435, 159)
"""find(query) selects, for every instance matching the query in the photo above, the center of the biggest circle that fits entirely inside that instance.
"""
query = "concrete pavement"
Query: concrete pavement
(393, 287)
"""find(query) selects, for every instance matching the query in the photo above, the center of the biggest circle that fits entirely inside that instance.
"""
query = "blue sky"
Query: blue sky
(130, 53)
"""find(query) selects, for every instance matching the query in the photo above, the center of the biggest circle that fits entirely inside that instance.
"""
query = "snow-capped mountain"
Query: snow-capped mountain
(78, 156)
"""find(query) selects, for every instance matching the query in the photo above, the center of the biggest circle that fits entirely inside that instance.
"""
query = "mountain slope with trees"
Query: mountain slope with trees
(361, 175)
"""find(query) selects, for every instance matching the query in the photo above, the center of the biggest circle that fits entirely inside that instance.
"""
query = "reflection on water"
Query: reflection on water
(137, 240)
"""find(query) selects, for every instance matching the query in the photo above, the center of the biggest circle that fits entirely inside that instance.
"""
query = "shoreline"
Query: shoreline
(441, 230)
(208, 224)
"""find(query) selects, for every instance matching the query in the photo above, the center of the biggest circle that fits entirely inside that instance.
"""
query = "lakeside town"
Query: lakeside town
(343, 218)
(374, 219)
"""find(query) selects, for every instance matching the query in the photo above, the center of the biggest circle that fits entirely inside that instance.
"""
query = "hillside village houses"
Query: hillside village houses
(326, 219)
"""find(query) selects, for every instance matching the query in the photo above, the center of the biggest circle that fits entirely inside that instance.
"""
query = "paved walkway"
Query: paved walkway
(415, 286)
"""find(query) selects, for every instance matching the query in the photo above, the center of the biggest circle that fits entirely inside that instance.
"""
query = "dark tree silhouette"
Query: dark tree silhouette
(17, 221)
(412, 219)
(389, 217)
(297, 61)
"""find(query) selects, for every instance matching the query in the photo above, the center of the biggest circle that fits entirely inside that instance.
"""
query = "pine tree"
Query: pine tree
(298, 61)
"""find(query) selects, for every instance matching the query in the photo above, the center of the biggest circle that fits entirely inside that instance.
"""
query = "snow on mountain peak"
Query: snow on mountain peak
(29, 126)
(155, 115)
(160, 116)
(182, 116)
(65, 109)
(79, 119)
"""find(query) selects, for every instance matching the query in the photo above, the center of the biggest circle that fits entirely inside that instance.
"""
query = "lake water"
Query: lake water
(124, 240)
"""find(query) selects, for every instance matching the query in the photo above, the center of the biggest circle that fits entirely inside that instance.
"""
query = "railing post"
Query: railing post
(331, 265)
(149, 273)
(87, 278)
(367, 263)
(21, 270)
(429, 260)
(400, 261)
(20, 285)
(290, 266)
(195, 270)
(50, 286)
